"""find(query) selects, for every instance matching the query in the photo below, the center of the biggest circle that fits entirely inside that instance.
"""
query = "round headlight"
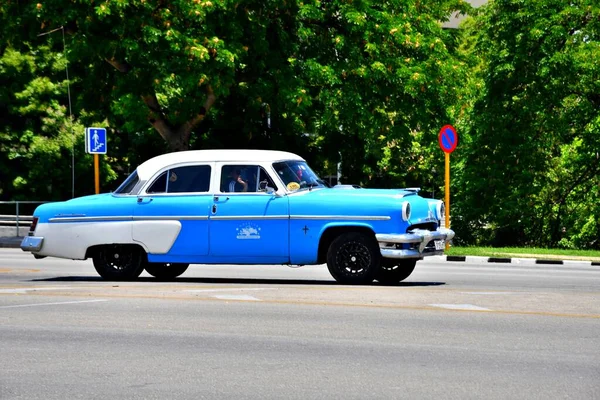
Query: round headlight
(406, 211)
(441, 210)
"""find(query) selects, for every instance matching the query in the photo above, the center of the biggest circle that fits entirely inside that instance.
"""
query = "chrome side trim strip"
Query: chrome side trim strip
(132, 218)
(222, 217)
(90, 219)
(344, 217)
(172, 217)
(247, 217)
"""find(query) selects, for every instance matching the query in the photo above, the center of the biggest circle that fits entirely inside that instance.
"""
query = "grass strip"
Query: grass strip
(525, 252)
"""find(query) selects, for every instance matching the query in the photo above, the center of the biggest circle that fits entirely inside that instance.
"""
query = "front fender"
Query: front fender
(310, 238)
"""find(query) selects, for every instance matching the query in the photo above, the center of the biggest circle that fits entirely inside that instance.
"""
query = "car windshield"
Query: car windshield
(297, 175)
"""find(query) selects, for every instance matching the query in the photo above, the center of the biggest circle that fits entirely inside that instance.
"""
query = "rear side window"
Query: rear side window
(189, 179)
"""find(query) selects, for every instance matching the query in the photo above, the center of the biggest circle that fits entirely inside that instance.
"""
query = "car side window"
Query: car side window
(244, 178)
(264, 177)
(159, 185)
(188, 179)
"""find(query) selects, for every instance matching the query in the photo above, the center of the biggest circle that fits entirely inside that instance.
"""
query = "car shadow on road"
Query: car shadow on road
(229, 281)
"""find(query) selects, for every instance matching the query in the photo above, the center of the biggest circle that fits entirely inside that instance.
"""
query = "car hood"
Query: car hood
(336, 192)
(363, 202)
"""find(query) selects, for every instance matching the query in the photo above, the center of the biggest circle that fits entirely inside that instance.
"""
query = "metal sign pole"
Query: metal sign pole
(97, 173)
(448, 140)
(447, 195)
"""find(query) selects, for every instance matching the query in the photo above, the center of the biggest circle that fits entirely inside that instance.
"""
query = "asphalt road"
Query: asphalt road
(451, 331)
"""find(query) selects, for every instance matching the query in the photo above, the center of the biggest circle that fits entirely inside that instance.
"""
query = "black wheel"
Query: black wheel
(119, 262)
(395, 271)
(166, 271)
(353, 258)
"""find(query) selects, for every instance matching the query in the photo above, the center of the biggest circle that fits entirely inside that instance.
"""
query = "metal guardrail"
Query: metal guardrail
(17, 220)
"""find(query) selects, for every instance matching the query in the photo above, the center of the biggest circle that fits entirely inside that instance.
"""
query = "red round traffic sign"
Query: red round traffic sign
(448, 138)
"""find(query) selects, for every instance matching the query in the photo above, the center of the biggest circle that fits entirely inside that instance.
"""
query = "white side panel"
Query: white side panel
(156, 236)
(71, 239)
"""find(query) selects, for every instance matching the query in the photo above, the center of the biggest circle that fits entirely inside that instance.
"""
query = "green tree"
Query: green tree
(378, 79)
(37, 136)
(531, 165)
(371, 81)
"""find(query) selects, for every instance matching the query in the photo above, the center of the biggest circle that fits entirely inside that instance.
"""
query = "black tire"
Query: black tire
(166, 271)
(395, 271)
(119, 262)
(353, 258)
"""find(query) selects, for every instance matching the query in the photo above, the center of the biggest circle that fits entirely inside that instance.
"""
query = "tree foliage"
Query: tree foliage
(358, 78)
(37, 135)
(531, 164)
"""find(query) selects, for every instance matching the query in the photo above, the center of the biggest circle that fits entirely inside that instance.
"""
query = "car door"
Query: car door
(248, 224)
(171, 215)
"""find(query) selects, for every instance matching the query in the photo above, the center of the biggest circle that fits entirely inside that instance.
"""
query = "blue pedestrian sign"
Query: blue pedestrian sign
(95, 140)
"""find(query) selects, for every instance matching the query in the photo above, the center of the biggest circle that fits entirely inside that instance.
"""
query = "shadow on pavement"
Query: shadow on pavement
(252, 281)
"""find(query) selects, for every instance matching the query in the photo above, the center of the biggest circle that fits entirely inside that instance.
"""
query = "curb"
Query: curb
(510, 260)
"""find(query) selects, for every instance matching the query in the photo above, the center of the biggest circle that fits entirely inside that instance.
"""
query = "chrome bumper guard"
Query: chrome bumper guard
(32, 243)
(421, 241)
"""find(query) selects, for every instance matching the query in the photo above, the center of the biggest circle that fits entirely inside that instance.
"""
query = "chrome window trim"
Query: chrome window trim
(227, 194)
(195, 194)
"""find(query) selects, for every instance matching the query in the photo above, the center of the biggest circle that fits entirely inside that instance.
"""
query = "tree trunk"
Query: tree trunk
(177, 137)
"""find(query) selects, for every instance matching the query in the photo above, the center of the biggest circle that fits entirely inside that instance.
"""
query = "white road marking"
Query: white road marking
(491, 293)
(460, 307)
(225, 290)
(25, 290)
(54, 304)
(236, 297)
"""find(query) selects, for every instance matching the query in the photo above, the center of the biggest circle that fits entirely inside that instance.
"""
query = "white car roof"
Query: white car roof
(149, 167)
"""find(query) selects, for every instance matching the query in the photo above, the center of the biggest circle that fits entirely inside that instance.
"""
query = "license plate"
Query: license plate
(439, 244)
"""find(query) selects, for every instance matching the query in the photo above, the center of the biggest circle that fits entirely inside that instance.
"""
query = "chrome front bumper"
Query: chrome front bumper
(416, 244)
(32, 243)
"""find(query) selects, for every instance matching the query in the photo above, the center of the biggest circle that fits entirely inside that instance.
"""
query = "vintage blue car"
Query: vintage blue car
(240, 207)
